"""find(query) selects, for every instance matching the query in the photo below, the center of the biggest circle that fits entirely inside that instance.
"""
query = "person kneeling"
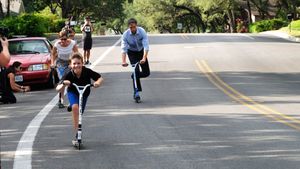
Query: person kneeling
(7, 95)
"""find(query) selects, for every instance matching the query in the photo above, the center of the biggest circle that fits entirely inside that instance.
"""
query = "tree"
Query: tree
(8, 8)
(1, 11)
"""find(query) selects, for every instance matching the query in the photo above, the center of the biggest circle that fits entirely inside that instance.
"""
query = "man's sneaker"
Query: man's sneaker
(60, 105)
(137, 97)
(69, 108)
(87, 62)
(75, 143)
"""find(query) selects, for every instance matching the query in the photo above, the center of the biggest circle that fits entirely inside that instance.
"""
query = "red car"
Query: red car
(35, 55)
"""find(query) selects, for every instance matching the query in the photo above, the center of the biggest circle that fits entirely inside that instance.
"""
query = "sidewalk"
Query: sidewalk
(281, 34)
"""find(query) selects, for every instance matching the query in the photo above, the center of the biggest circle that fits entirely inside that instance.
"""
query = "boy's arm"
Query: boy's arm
(63, 82)
(61, 85)
(98, 82)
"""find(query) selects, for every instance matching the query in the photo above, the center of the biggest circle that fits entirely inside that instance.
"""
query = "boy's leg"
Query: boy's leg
(75, 111)
(74, 103)
(75, 115)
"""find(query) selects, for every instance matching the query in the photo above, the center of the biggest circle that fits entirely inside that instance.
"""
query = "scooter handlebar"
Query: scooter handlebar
(82, 87)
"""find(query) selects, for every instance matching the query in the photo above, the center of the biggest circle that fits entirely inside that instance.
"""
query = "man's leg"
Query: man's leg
(135, 57)
(88, 53)
(84, 56)
(145, 72)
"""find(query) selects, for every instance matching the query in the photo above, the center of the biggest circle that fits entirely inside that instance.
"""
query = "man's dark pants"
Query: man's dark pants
(135, 57)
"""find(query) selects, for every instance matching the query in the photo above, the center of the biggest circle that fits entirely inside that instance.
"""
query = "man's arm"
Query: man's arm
(82, 28)
(4, 55)
(145, 42)
(124, 50)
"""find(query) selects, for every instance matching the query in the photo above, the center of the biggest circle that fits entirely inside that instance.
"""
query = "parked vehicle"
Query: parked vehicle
(35, 55)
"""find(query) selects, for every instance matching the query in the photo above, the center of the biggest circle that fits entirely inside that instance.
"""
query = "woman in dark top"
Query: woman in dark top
(11, 85)
(81, 76)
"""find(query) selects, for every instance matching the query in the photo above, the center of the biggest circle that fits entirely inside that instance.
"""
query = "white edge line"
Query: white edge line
(246, 35)
(23, 154)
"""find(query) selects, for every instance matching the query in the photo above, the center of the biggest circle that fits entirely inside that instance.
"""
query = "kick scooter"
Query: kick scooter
(81, 90)
(136, 96)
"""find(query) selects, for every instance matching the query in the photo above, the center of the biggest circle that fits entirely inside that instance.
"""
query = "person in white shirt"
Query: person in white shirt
(62, 50)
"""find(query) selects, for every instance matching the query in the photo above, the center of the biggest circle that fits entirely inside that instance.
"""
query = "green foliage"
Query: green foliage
(295, 25)
(33, 24)
(266, 25)
(26, 24)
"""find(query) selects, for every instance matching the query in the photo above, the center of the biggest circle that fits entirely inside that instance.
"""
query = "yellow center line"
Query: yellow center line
(244, 100)
(245, 97)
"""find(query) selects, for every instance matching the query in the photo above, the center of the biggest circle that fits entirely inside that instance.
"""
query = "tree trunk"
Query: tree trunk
(66, 8)
(249, 12)
(196, 14)
(1, 11)
(232, 24)
(53, 8)
(8, 8)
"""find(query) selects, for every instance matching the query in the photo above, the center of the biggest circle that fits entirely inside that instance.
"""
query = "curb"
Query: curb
(282, 35)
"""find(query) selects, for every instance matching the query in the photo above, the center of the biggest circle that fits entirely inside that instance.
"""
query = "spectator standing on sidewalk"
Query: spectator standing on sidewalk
(87, 29)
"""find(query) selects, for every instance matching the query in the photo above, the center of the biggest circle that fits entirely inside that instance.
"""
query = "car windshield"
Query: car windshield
(28, 47)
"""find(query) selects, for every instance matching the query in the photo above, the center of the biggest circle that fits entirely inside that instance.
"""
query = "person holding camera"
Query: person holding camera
(4, 55)
(4, 60)
(87, 29)
(10, 85)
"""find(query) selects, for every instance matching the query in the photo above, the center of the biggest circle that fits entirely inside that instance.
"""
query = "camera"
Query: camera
(3, 33)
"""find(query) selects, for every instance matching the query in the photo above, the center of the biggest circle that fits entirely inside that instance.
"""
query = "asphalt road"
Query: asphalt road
(212, 101)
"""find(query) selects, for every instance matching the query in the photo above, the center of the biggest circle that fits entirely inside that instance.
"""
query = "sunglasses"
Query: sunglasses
(63, 39)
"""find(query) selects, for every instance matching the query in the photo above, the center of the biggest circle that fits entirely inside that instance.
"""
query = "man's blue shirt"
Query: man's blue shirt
(135, 42)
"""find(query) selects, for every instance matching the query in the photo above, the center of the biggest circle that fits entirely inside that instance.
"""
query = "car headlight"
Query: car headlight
(38, 67)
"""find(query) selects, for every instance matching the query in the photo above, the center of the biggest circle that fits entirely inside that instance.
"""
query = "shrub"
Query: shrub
(33, 24)
(266, 25)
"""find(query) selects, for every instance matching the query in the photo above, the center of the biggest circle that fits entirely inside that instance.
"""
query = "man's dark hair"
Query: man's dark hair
(132, 20)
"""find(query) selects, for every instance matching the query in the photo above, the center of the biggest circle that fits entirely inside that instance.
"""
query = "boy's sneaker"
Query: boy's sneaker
(69, 108)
